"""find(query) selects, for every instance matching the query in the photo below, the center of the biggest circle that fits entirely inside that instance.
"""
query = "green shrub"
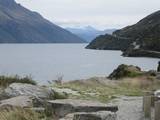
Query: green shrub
(58, 95)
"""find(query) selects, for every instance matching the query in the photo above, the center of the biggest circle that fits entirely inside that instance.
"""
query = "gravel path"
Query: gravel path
(130, 108)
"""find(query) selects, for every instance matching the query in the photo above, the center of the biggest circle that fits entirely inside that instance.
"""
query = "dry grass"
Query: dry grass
(18, 114)
(142, 83)
(102, 89)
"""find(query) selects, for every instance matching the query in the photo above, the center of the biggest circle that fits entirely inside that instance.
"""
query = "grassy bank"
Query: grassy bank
(102, 89)
(7, 80)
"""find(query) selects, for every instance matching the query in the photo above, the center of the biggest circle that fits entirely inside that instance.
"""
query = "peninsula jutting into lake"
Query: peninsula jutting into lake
(139, 40)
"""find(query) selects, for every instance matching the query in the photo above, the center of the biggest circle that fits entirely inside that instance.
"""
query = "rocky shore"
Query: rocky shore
(101, 98)
(141, 53)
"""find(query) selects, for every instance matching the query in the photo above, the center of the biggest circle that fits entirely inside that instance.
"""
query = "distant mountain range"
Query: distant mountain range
(140, 39)
(20, 25)
(89, 33)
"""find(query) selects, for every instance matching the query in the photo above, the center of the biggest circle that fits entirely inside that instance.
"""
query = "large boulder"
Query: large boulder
(20, 101)
(125, 71)
(19, 89)
(67, 106)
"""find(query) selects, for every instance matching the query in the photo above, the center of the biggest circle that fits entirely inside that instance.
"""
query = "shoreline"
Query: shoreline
(62, 99)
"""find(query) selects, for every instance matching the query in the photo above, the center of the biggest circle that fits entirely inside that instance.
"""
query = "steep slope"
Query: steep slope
(20, 25)
(145, 32)
(143, 38)
(89, 33)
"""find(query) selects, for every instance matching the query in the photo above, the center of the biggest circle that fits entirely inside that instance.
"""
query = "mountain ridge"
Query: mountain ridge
(20, 25)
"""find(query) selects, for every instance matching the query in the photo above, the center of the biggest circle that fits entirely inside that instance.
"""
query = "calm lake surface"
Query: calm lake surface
(47, 61)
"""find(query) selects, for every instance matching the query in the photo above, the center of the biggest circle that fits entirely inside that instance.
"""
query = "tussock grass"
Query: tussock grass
(102, 89)
(18, 114)
(7, 80)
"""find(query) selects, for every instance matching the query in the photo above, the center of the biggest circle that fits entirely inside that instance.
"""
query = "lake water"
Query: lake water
(47, 61)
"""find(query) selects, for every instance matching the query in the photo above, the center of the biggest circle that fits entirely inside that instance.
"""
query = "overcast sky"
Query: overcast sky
(101, 14)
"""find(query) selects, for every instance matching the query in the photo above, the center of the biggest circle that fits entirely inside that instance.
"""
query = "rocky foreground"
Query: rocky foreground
(40, 99)
(21, 95)
(93, 99)
(121, 108)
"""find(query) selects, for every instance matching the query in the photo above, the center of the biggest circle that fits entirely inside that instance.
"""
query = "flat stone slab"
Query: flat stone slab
(63, 107)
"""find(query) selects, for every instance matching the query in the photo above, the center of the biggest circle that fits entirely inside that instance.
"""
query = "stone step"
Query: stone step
(100, 115)
(63, 107)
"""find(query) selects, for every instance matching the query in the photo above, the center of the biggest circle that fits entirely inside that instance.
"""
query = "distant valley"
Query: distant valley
(89, 33)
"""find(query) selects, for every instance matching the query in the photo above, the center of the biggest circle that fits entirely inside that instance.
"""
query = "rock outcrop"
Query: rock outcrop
(19, 89)
(125, 71)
